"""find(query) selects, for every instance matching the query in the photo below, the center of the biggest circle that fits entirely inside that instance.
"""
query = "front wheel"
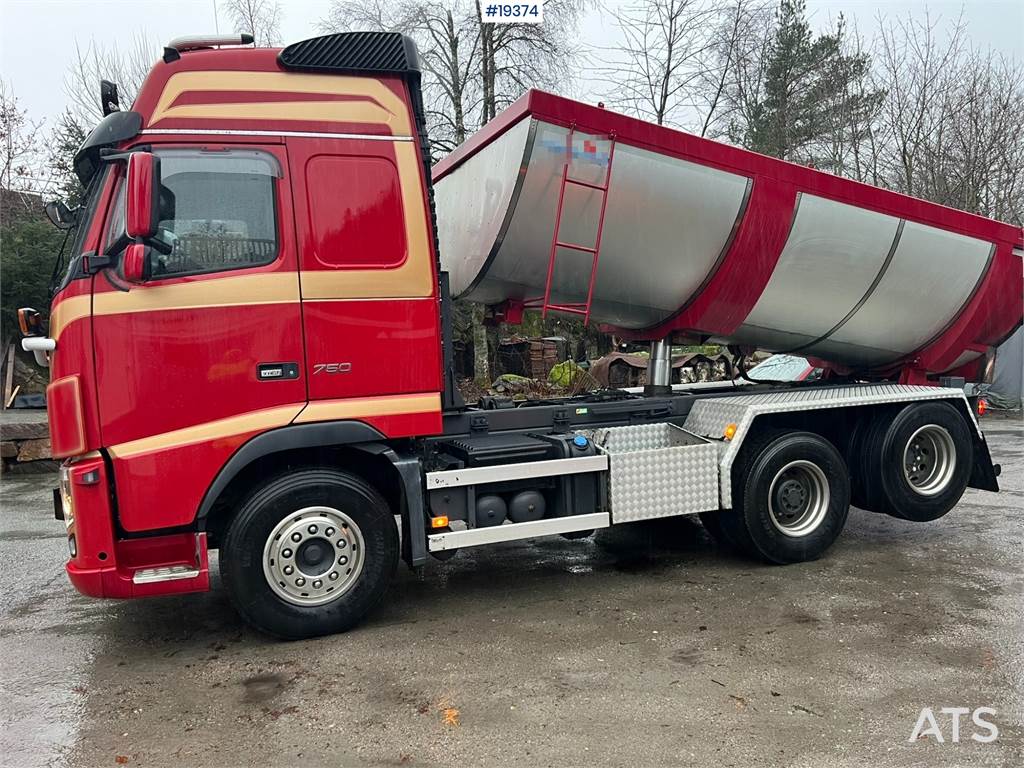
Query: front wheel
(309, 553)
(790, 497)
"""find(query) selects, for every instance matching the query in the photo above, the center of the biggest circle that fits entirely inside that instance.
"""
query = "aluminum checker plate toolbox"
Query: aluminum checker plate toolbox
(658, 470)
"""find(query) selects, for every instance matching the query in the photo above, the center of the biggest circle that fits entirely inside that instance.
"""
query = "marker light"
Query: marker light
(982, 406)
(439, 522)
(730, 432)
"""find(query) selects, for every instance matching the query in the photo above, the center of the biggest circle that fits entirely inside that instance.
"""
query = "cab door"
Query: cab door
(208, 350)
(369, 283)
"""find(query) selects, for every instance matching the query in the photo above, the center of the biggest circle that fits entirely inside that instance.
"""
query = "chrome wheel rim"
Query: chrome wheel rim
(929, 460)
(798, 498)
(313, 556)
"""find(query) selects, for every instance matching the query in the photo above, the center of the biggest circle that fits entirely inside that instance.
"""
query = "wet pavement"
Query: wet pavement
(646, 646)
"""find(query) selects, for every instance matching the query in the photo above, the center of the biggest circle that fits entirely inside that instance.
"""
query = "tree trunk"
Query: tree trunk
(481, 367)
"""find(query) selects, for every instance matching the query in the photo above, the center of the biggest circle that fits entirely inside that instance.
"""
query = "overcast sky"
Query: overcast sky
(37, 37)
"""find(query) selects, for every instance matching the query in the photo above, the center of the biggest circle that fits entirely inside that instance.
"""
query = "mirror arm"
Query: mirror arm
(96, 262)
(158, 245)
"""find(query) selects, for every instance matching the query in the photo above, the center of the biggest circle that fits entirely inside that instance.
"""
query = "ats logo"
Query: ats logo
(984, 731)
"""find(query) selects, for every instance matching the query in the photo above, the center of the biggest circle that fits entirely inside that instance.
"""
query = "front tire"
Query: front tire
(790, 496)
(309, 553)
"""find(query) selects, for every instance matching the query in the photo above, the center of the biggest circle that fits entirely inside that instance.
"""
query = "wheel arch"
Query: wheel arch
(353, 444)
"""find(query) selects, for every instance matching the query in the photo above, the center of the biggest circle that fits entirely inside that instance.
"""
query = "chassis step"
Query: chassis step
(164, 573)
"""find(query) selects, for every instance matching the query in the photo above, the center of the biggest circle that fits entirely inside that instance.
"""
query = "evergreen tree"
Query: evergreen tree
(809, 91)
(67, 136)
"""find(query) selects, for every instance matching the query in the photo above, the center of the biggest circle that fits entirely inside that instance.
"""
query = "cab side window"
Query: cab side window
(355, 211)
(217, 211)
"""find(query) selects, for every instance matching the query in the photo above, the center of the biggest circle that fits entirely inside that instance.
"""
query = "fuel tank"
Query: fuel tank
(717, 242)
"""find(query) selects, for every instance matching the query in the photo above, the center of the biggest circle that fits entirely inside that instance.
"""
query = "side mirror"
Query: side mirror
(142, 195)
(60, 215)
(135, 263)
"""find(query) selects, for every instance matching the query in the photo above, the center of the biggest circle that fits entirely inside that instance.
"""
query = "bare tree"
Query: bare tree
(665, 53)
(919, 74)
(735, 42)
(20, 146)
(127, 66)
(952, 123)
(472, 69)
(517, 57)
(259, 18)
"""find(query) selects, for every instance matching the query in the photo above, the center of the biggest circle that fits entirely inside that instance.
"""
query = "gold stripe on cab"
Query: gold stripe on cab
(371, 101)
(239, 290)
(66, 312)
(253, 421)
(206, 292)
(362, 407)
(413, 279)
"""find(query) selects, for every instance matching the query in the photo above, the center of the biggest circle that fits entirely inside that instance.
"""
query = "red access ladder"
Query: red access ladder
(575, 308)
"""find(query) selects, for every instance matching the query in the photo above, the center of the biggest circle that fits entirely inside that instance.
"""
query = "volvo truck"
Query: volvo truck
(250, 339)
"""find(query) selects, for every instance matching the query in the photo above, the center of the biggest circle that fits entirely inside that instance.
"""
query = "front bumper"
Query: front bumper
(103, 565)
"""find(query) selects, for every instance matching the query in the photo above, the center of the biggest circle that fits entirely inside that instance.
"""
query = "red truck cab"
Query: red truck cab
(251, 308)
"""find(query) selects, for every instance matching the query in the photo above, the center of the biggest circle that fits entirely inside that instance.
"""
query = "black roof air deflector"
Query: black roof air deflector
(385, 53)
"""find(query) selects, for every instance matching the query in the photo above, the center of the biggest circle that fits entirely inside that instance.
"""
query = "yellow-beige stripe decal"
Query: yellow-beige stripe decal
(252, 421)
(362, 407)
(325, 410)
(374, 102)
(67, 311)
(240, 290)
(207, 292)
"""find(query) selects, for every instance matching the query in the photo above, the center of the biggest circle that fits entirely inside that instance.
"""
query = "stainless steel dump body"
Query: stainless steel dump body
(856, 283)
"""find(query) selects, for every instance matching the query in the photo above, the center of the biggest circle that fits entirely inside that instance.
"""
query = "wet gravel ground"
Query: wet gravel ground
(645, 646)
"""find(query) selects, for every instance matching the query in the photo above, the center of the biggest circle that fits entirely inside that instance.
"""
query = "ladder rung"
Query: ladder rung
(589, 185)
(576, 247)
(580, 310)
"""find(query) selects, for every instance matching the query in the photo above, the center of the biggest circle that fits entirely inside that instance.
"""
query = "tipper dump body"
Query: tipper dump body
(696, 236)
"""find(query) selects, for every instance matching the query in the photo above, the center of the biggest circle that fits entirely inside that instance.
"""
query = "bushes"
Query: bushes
(27, 251)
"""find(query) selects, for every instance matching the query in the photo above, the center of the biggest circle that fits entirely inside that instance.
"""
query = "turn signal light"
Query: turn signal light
(439, 522)
(982, 406)
(730, 431)
(29, 322)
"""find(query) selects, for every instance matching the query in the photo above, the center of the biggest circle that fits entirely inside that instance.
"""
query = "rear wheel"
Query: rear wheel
(919, 463)
(790, 496)
(309, 553)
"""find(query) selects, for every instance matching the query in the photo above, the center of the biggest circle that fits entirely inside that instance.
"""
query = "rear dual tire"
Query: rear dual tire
(912, 463)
